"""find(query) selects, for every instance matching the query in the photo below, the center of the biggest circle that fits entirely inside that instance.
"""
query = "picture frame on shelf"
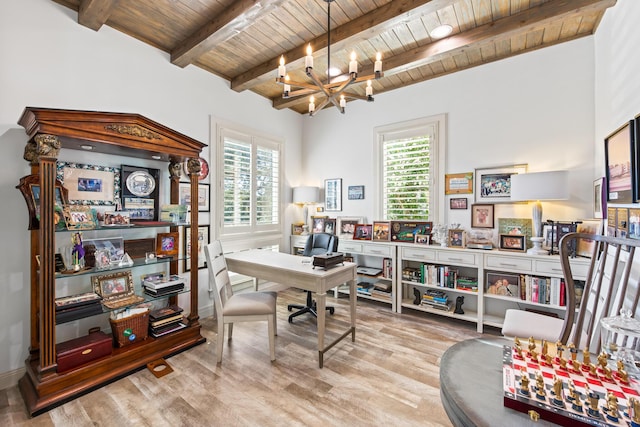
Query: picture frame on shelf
(330, 225)
(29, 186)
(513, 242)
(363, 232)
(317, 224)
(89, 184)
(113, 247)
(405, 231)
(346, 226)
(333, 195)
(620, 164)
(297, 228)
(516, 226)
(503, 284)
(561, 228)
(113, 285)
(482, 215)
(79, 217)
(457, 238)
(634, 223)
(458, 183)
(612, 221)
(140, 192)
(422, 239)
(381, 231)
(549, 236)
(117, 219)
(355, 192)
(584, 247)
(203, 240)
(599, 197)
(622, 223)
(184, 196)
(167, 244)
(458, 203)
(493, 185)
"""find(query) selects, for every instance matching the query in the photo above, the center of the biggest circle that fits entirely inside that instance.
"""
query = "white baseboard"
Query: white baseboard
(9, 379)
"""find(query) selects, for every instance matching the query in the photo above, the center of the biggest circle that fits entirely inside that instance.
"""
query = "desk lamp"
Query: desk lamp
(305, 196)
(534, 187)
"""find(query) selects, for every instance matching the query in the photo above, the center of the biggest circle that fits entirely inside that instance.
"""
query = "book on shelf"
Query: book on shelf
(159, 281)
(364, 288)
(78, 312)
(165, 290)
(382, 286)
(77, 300)
(166, 321)
(439, 306)
(164, 312)
(167, 329)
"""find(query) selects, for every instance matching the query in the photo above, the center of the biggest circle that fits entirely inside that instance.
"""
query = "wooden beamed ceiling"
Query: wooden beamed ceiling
(243, 40)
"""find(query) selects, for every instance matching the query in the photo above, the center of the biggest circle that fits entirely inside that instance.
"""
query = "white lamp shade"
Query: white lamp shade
(553, 185)
(305, 195)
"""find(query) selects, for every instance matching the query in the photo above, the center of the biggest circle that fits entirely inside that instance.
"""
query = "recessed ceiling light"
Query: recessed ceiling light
(441, 31)
(87, 147)
(156, 157)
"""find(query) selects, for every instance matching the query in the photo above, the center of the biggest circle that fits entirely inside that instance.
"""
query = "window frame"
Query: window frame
(432, 125)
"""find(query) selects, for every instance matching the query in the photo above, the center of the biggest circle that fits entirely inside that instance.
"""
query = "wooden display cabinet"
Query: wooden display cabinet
(129, 135)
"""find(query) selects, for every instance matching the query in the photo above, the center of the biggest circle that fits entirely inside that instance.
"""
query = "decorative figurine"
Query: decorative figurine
(592, 402)
(611, 410)
(541, 393)
(524, 382)
(573, 351)
(77, 253)
(586, 356)
(418, 296)
(602, 359)
(633, 412)
(557, 392)
(459, 302)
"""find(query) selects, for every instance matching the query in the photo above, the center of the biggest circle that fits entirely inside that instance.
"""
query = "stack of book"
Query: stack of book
(436, 299)
(158, 285)
(382, 289)
(364, 288)
(165, 320)
(75, 307)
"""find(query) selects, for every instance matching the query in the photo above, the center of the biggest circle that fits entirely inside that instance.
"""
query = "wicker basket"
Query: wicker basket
(130, 329)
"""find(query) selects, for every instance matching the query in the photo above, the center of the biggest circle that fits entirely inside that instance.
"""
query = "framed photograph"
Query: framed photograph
(482, 215)
(561, 228)
(622, 227)
(458, 183)
(117, 219)
(203, 240)
(516, 226)
(330, 225)
(115, 287)
(355, 192)
(140, 192)
(381, 231)
(405, 231)
(317, 224)
(423, 239)
(549, 235)
(89, 184)
(296, 228)
(113, 248)
(346, 226)
(493, 185)
(612, 221)
(513, 242)
(457, 238)
(585, 247)
(184, 196)
(363, 232)
(333, 194)
(167, 244)
(599, 198)
(620, 162)
(29, 186)
(634, 223)
(503, 284)
(79, 218)
(458, 203)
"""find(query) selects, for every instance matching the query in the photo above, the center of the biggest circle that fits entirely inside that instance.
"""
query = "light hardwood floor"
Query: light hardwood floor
(388, 377)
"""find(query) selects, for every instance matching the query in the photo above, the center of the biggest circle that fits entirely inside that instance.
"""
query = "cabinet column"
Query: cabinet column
(193, 166)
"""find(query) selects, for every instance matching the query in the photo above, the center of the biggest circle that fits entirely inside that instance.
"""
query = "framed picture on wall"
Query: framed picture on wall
(333, 195)
(599, 198)
(619, 155)
(493, 185)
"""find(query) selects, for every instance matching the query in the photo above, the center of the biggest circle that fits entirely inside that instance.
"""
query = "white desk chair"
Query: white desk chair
(242, 307)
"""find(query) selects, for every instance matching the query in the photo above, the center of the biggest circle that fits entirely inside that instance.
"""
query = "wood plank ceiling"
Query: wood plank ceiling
(242, 40)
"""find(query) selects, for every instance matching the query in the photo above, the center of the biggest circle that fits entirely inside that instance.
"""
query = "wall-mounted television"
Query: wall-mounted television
(620, 159)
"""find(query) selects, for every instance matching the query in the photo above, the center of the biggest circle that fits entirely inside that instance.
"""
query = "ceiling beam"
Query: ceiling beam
(353, 32)
(94, 13)
(488, 33)
(235, 19)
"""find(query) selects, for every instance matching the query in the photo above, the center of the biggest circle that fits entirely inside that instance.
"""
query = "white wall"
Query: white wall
(48, 60)
(535, 108)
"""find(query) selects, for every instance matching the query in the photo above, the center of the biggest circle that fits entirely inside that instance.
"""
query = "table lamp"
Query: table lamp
(534, 187)
(305, 196)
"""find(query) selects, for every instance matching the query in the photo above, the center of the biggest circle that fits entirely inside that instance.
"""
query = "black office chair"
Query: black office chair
(317, 243)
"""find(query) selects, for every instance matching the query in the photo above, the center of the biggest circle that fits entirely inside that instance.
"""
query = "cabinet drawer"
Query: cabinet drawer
(512, 263)
(457, 257)
(377, 250)
(549, 267)
(418, 254)
(349, 247)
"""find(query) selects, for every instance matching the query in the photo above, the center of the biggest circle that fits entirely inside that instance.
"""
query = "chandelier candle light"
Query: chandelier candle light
(333, 90)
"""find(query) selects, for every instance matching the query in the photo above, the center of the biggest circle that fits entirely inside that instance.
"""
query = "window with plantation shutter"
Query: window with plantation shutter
(408, 159)
(250, 167)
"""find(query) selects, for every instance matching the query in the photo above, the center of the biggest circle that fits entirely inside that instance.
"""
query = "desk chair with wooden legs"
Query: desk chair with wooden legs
(317, 243)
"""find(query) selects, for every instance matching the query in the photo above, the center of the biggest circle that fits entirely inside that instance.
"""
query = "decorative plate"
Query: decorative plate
(141, 183)
(204, 169)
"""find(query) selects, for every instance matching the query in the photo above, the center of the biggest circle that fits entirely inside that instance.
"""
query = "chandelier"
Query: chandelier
(335, 91)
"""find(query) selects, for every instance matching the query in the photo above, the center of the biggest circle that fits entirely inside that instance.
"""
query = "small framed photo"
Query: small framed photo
(167, 244)
(115, 289)
(493, 185)
(330, 225)
(110, 250)
(381, 231)
(317, 224)
(457, 238)
(79, 217)
(184, 194)
(203, 240)
(599, 198)
(120, 218)
(355, 192)
(422, 239)
(296, 228)
(347, 226)
(503, 284)
(584, 247)
(482, 215)
(363, 232)
(458, 203)
(458, 183)
(513, 242)
(333, 194)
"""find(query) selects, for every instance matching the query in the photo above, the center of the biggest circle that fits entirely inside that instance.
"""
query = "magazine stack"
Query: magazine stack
(158, 285)
(165, 320)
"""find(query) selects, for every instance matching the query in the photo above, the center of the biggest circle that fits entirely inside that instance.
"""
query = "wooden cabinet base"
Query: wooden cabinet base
(42, 393)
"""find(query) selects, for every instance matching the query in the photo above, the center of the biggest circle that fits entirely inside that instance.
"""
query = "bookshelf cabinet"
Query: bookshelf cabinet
(50, 132)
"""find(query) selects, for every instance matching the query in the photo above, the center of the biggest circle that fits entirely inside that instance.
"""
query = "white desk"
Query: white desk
(297, 271)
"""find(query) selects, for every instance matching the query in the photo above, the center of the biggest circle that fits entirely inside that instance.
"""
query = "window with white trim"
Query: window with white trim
(249, 182)
(408, 158)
